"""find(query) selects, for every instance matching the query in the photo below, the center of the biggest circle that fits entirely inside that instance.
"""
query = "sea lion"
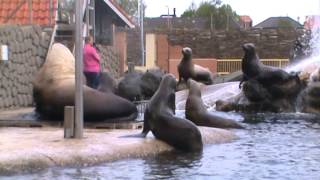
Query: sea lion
(107, 83)
(150, 81)
(187, 69)
(54, 88)
(159, 117)
(277, 82)
(129, 86)
(198, 113)
(253, 68)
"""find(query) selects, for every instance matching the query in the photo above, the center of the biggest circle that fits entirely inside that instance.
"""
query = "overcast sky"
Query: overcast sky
(259, 10)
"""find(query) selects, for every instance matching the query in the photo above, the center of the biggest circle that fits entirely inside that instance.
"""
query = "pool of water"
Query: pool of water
(273, 146)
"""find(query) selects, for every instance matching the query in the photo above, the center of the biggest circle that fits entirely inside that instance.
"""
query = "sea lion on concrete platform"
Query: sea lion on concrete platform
(54, 88)
(159, 117)
(187, 69)
(198, 113)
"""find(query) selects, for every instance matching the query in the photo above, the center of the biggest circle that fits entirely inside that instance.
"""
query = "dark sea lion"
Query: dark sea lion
(253, 68)
(277, 82)
(198, 113)
(54, 88)
(187, 69)
(159, 117)
(150, 81)
(107, 83)
(129, 86)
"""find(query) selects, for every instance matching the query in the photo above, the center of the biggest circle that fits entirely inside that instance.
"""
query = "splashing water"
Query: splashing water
(306, 65)
(313, 62)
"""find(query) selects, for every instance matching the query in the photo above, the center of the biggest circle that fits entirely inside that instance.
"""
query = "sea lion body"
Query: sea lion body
(198, 113)
(187, 69)
(160, 118)
(54, 88)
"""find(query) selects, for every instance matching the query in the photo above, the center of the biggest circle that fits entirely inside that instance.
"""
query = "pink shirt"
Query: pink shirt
(91, 59)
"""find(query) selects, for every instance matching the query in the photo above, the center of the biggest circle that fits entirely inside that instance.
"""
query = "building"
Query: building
(279, 22)
(245, 22)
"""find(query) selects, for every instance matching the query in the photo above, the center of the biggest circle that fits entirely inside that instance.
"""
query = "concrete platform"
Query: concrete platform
(32, 149)
(24, 118)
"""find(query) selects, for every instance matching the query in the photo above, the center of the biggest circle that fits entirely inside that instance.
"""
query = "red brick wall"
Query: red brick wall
(162, 52)
(121, 46)
(175, 52)
(211, 64)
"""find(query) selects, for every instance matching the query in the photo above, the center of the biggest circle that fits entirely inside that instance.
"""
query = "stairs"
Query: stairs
(64, 31)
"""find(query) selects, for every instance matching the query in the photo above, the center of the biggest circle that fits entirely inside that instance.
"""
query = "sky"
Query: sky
(258, 10)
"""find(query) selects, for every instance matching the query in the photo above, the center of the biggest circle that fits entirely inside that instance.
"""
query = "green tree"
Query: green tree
(130, 6)
(219, 17)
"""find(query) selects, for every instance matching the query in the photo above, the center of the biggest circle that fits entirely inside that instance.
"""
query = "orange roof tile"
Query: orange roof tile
(40, 12)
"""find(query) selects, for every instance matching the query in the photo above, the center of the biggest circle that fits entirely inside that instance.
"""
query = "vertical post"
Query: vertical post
(79, 63)
(68, 122)
(87, 17)
(30, 11)
(93, 19)
(50, 12)
(142, 32)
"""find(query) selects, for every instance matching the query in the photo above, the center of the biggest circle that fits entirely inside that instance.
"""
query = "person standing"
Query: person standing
(91, 63)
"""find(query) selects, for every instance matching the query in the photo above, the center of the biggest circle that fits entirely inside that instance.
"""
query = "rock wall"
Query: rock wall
(28, 47)
(270, 43)
(110, 60)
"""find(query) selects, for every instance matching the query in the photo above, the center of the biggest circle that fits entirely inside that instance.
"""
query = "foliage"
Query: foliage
(219, 15)
(130, 6)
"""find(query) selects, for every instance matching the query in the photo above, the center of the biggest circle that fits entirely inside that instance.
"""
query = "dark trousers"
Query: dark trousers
(92, 79)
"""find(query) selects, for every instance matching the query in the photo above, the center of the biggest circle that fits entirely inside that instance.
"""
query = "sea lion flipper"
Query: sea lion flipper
(146, 126)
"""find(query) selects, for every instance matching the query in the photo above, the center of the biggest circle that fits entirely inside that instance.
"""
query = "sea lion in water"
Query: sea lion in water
(54, 88)
(159, 117)
(198, 113)
(187, 69)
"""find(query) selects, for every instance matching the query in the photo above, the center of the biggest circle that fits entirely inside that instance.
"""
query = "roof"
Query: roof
(19, 10)
(120, 12)
(278, 22)
(245, 18)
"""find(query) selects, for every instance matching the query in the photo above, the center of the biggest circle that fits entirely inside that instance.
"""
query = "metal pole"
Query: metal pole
(93, 20)
(142, 33)
(78, 131)
(87, 17)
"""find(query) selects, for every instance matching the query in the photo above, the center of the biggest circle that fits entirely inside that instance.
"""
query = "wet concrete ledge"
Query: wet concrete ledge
(32, 149)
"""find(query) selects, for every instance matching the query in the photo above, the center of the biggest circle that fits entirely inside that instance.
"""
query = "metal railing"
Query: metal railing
(227, 66)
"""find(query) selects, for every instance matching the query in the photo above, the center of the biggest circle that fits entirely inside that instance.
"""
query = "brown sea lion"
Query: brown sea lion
(54, 88)
(198, 113)
(187, 69)
(159, 117)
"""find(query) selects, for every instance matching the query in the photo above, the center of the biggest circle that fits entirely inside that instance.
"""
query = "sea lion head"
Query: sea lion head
(186, 52)
(249, 49)
(194, 87)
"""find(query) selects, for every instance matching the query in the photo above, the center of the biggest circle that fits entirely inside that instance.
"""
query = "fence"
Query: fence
(227, 66)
